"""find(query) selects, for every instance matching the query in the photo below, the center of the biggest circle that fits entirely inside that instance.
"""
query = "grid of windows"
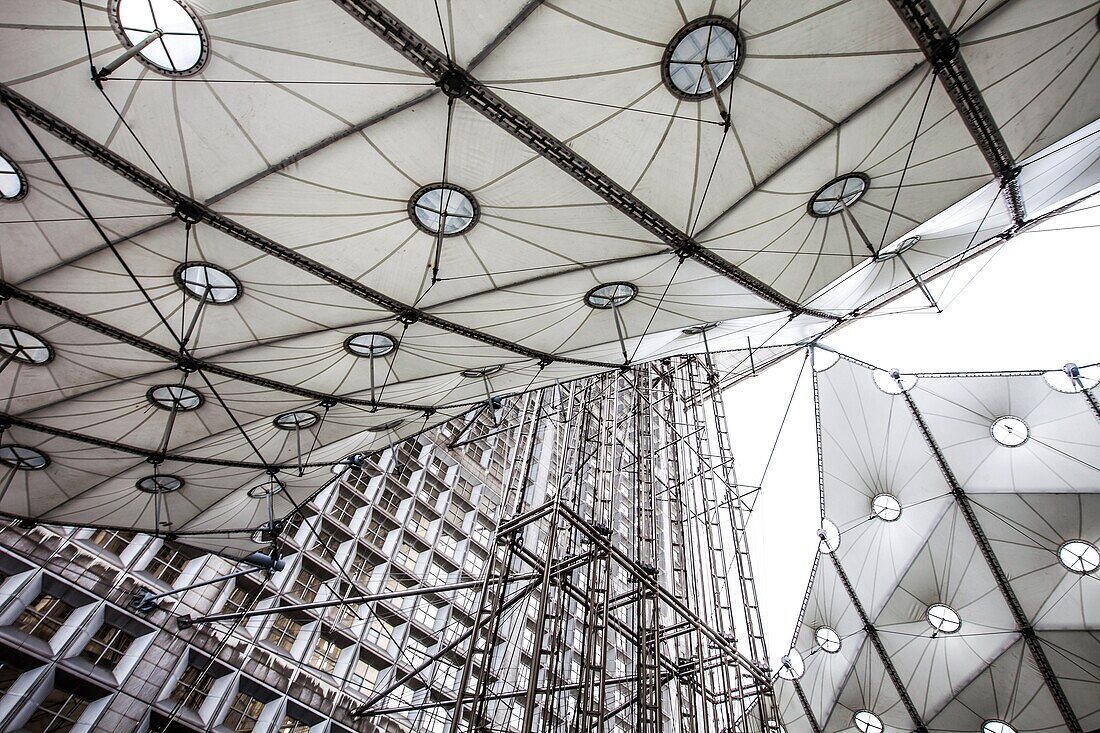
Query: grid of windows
(45, 615)
(193, 688)
(108, 646)
(244, 712)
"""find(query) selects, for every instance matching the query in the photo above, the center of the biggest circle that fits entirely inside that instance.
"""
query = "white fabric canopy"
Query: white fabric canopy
(289, 159)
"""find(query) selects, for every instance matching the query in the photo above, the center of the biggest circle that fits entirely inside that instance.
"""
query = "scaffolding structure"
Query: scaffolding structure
(619, 576)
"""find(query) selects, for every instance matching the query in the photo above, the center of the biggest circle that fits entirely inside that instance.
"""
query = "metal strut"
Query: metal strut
(876, 642)
(941, 48)
(458, 83)
(1023, 624)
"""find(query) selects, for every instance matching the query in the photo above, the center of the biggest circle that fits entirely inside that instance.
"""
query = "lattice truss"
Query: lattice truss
(957, 584)
(280, 233)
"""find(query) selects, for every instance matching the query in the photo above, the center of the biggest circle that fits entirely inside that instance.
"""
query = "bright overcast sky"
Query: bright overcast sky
(1027, 305)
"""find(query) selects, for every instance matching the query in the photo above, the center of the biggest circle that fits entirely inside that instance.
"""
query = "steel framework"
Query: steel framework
(619, 592)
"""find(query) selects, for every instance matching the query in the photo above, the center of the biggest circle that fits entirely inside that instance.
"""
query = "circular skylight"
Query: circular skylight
(943, 618)
(829, 537)
(1080, 556)
(296, 420)
(267, 488)
(23, 346)
(711, 44)
(23, 458)
(13, 186)
(838, 194)
(886, 507)
(791, 666)
(182, 48)
(1009, 431)
(159, 484)
(867, 722)
(893, 382)
(174, 397)
(370, 345)
(386, 426)
(208, 282)
(610, 295)
(827, 639)
(483, 372)
(442, 205)
(700, 329)
(896, 248)
(997, 726)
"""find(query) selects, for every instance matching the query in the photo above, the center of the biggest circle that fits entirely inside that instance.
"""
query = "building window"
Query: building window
(344, 508)
(379, 632)
(406, 556)
(192, 688)
(113, 542)
(240, 599)
(360, 567)
(447, 544)
(419, 522)
(284, 632)
(44, 616)
(243, 713)
(108, 646)
(328, 544)
(58, 713)
(389, 502)
(365, 675)
(377, 530)
(306, 585)
(293, 725)
(168, 564)
(326, 655)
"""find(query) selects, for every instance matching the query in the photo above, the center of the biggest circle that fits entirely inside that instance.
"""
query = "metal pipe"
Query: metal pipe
(127, 55)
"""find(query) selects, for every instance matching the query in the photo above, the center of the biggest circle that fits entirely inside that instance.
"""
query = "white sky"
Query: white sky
(1030, 304)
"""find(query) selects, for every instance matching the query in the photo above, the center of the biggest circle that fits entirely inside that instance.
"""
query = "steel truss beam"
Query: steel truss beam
(200, 211)
(457, 82)
(941, 48)
(1023, 624)
(876, 642)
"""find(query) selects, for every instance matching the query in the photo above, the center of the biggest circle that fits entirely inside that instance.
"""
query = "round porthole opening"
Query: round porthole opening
(23, 346)
(208, 283)
(370, 345)
(1079, 556)
(838, 194)
(886, 507)
(444, 208)
(297, 420)
(943, 618)
(182, 46)
(1010, 431)
(610, 295)
(174, 397)
(23, 457)
(159, 484)
(827, 639)
(13, 184)
(702, 57)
